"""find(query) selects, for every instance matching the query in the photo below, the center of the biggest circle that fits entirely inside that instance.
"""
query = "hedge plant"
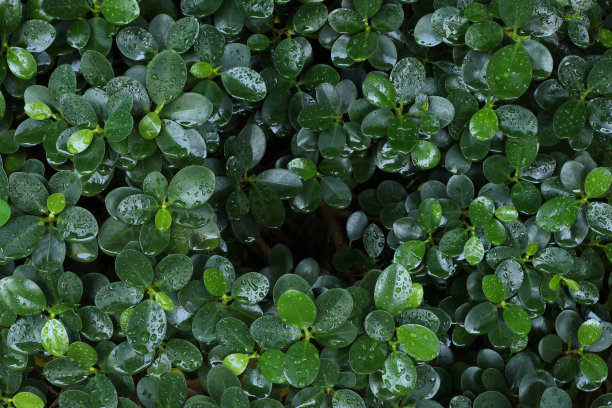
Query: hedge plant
(305, 203)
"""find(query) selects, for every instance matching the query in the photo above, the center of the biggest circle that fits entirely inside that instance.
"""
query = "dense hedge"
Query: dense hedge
(283, 203)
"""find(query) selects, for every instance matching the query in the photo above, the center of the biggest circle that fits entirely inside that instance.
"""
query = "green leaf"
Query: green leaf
(296, 309)
(367, 8)
(345, 20)
(283, 182)
(597, 182)
(484, 35)
(347, 399)
(374, 240)
(237, 362)
(244, 84)
(491, 399)
(424, 34)
(593, 367)
(266, 206)
(21, 63)
(309, 18)
(269, 331)
(54, 338)
(62, 372)
(163, 220)
(506, 213)
(315, 117)
(493, 288)
(379, 91)
(27, 400)
(426, 155)
(301, 364)
(408, 77)
(334, 308)
(22, 296)
(289, 58)
(182, 34)
(362, 46)
(188, 110)
(146, 327)
(28, 193)
(521, 152)
(10, 16)
(569, 118)
(256, 10)
(192, 186)
(234, 397)
(554, 260)
(206, 318)
(271, 366)
(215, 282)
(174, 393)
(173, 272)
(303, 167)
(76, 224)
(120, 12)
(96, 68)
(234, 335)
(515, 13)
(555, 398)
(449, 22)
(483, 124)
(517, 319)
(598, 80)
(418, 341)
(481, 318)
(598, 216)
(250, 288)
(392, 289)
(166, 77)
(402, 134)
(136, 43)
(137, 209)
(429, 215)
(56, 203)
(134, 268)
(589, 332)
(20, 236)
(37, 110)
(367, 355)
(78, 111)
(379, 325)
(5, 212)
(481, 210)
(557, 214)
(399, 373)
(79, 141)
(509, 72)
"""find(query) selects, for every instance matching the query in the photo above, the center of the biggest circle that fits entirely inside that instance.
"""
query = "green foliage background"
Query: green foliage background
(305, 203)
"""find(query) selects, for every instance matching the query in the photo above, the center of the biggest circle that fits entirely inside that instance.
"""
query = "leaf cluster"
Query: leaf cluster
(305, 203)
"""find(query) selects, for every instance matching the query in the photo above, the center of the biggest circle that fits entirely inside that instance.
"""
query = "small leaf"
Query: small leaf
(27, 400)
(483, 124)
(54, 338)
(418, 341)
(589, 332)
(473, 250)
(557, 214)
(296, 309)
(120, 12)
(509, 72)
(493, 288)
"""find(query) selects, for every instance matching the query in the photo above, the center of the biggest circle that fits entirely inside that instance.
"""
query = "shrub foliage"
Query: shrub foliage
(283, 203)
